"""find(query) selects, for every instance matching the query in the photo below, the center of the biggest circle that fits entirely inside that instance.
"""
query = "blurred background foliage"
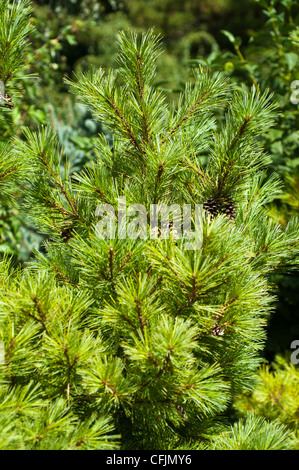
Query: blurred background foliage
(253, 42)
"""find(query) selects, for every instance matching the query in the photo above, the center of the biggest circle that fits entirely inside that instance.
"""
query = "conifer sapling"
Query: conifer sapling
(134, 341)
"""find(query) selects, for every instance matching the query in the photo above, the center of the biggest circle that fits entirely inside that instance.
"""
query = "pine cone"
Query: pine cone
(229, 209)
(66, 234)
(182, 411)
(8, 101)
(217, 331)
(212, 206)
(220, 206)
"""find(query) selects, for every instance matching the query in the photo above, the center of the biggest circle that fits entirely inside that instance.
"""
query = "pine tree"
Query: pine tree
(15, 26)
(136, 342)
(14, 30)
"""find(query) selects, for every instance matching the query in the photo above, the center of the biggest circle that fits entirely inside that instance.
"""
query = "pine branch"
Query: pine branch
(57, 179)
(240, 132)
(187, 115)
(15, 27)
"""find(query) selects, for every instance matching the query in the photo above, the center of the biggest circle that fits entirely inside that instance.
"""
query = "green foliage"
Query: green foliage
(76, 133)
(138, 343)
(28, 421)
(137, 336)
(14, 32)
(275, 396)
(270, 61)
(268, 58)
(15, 26)
(255, 433)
